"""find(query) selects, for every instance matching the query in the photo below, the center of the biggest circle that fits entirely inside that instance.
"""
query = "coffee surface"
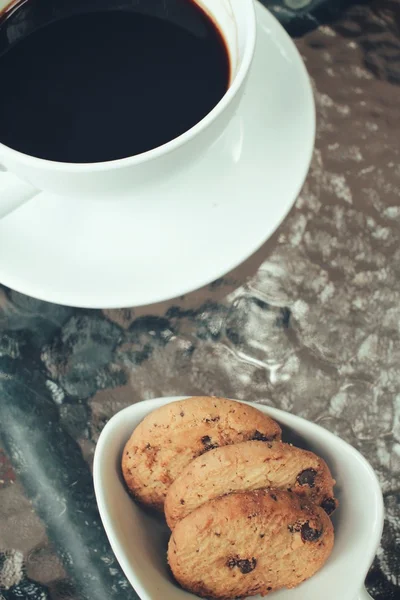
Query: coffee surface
(95, 80)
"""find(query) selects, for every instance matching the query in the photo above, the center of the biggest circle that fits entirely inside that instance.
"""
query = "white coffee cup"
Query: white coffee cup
(237, 22)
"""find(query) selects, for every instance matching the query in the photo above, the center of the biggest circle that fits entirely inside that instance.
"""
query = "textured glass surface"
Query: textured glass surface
(310, 324)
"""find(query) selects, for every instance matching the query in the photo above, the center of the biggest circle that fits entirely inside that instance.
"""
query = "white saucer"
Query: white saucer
(196, 228)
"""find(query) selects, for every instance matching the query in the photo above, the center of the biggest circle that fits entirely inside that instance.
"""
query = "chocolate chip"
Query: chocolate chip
(244, 565)
(207, 442)
(307, 477)
(214, 420)
(260, 437)
(182, 502)
(247, 566)
(329, 505)
(182, 414)
(274, 497)
(308, 534)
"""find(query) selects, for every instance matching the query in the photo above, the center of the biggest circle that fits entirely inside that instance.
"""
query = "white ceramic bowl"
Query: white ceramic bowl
(139, 541)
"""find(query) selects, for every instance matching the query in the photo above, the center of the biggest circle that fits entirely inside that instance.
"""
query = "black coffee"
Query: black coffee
(97, 80)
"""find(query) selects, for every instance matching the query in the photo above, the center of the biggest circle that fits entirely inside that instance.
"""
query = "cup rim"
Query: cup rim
(170, 146)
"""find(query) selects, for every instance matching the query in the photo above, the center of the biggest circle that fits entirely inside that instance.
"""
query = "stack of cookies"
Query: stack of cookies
(248, 513)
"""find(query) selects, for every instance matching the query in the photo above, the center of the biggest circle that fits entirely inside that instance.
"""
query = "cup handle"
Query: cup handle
(15, 195)
(364, 595)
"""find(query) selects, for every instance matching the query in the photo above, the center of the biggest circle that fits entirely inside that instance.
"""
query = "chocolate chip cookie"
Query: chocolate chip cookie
(249, 466)
(169, 438)
(250, 543)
